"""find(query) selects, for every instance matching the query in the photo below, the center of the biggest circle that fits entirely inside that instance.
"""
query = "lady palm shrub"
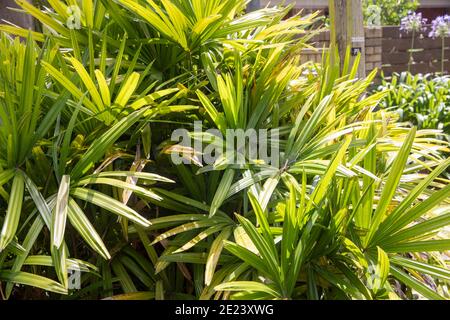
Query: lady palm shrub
(356, 208)
(46, 189)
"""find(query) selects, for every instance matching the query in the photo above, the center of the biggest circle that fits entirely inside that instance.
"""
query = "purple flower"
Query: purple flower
(413, 22)
(440, 27)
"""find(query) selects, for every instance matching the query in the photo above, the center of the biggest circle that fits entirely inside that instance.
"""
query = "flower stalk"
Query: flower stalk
(413, 23)
(440, 28)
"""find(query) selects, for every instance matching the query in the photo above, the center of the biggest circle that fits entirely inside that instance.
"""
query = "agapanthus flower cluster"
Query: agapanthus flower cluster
(413, 22)
(440, 27)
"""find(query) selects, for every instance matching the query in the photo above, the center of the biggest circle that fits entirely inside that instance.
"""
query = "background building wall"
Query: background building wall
(17, 18)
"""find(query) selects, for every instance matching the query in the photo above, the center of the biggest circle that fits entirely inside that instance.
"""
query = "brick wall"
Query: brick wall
(388, 49)
(427, 55)
(373, 48)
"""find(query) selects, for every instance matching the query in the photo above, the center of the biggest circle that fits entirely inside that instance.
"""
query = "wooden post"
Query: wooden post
(20, 19)
(347, 31)
(253, 5)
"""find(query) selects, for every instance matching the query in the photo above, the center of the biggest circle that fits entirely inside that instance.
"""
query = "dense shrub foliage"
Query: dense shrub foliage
(357, 208)
(390, 12)
(423, 100)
